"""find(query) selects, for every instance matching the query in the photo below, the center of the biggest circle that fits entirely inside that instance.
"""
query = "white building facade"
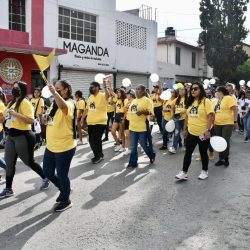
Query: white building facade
(178, 61)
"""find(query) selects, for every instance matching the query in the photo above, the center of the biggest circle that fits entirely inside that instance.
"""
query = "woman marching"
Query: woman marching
(61, 141)
(179, 111)
(118, 122)
(20, 140)
(199, 121)
(225, 120)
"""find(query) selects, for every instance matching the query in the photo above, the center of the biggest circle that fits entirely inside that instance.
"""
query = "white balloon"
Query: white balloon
(206, 81)
(170, 126)
(218, 143)
(212, 81)
(46, 92)
(242, 82)
(166, 95)
(205, 86)
(233, 86)
(126, 82)
(248, 84)
(154, 77)
(175, 86)
(99, 78)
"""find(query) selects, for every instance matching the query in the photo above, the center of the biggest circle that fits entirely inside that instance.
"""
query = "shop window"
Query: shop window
(131, 35)
(76, 25)
(17, 15)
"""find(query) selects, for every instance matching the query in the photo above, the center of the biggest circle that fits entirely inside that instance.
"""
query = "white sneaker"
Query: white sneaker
(203, 175)
(172, 150)
(181, 176)
(127, 152)
(117, 148)
(122, 149)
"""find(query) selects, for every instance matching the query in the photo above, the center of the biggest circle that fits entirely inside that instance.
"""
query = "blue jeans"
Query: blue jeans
(165, 133)
(141, 137)
(247, 125)
(2, 163)
(56, 169)
(179, 124)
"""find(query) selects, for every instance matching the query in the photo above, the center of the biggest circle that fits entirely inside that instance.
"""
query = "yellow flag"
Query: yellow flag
(44, 62)
(180, 85)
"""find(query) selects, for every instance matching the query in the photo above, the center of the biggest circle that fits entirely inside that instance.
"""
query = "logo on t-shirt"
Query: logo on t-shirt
(194, 111)
(180, 106)
(92, 106)
(168, 108)
(133, 109)
(118, 106)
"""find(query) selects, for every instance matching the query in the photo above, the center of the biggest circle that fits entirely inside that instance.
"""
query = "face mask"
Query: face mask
(15, 92)
(91, 91)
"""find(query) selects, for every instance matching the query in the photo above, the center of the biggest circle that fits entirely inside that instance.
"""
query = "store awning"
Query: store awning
(29, 49)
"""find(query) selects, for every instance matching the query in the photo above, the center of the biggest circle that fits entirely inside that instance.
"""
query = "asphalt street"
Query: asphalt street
(146, 208)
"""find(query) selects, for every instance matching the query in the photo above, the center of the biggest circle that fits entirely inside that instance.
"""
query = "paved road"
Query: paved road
(143, 209)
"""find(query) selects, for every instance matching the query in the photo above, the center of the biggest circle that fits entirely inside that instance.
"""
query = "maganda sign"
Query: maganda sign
(86, 55)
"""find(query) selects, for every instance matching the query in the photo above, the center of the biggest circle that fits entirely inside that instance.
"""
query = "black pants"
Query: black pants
(23, 147)
(110, 119)
(191, 143)
(158, 116)
(95, 139)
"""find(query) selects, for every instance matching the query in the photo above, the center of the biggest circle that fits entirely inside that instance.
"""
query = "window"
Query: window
(193, 60)
(76, 25)
(17, 15)
(178, 56)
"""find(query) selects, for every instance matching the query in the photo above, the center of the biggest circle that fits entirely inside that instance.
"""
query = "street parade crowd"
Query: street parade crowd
(192, 114)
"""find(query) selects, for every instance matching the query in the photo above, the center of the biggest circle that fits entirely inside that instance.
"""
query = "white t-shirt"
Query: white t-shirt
(245, 103)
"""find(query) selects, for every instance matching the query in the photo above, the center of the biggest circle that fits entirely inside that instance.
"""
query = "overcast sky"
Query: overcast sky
(180, 14)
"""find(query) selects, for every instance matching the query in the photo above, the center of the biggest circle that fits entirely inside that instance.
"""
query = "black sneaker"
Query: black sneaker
(152, 160)
(63, 205)
(7, 192)
(131, 166)
(219, 163)
(246, 140)
(163, 147)
(105, 139)
(97, 160)
(226, 162)
(59, 198)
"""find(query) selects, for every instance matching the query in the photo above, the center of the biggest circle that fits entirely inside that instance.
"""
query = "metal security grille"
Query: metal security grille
(136, 79)
(131, 35)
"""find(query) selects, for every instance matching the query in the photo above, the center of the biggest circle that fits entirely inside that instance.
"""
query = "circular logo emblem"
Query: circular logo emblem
(11, 70)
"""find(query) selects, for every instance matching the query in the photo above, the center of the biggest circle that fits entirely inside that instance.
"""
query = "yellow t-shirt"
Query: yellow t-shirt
(180, 108)
(119, 106)
(2, 109)
(80, 106)
(111, 104)
(97, 109)
(26, 109)
(34, 102)
(60, 135)
(223, 113)
(167, 106)
(156, 100)
(197, 116)
(138, 123)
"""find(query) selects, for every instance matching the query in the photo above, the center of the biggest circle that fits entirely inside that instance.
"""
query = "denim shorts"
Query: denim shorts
(119, 117)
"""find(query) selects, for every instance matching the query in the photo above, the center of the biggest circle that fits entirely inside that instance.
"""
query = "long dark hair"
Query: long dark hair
(39, 90)
(179, 98)
(23, 94)
(202, 95)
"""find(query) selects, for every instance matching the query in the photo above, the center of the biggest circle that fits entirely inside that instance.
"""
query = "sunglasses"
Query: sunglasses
(195, 89)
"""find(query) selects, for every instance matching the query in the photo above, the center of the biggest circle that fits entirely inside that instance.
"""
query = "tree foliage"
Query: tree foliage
(223, 27)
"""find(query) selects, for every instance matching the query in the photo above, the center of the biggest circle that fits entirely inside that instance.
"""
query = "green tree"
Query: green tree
(223, 27)
(242, 72)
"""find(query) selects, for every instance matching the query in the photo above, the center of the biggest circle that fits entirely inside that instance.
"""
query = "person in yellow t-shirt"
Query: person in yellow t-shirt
(197, 129)
(61, 141)
(38, 105)
(155, 97)
(226, 115)
(20, 141)
(167, 116)
(179, 114)
(139, 110)
(110, 114)
(96, 112)
(118, 124)
(80, 107)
